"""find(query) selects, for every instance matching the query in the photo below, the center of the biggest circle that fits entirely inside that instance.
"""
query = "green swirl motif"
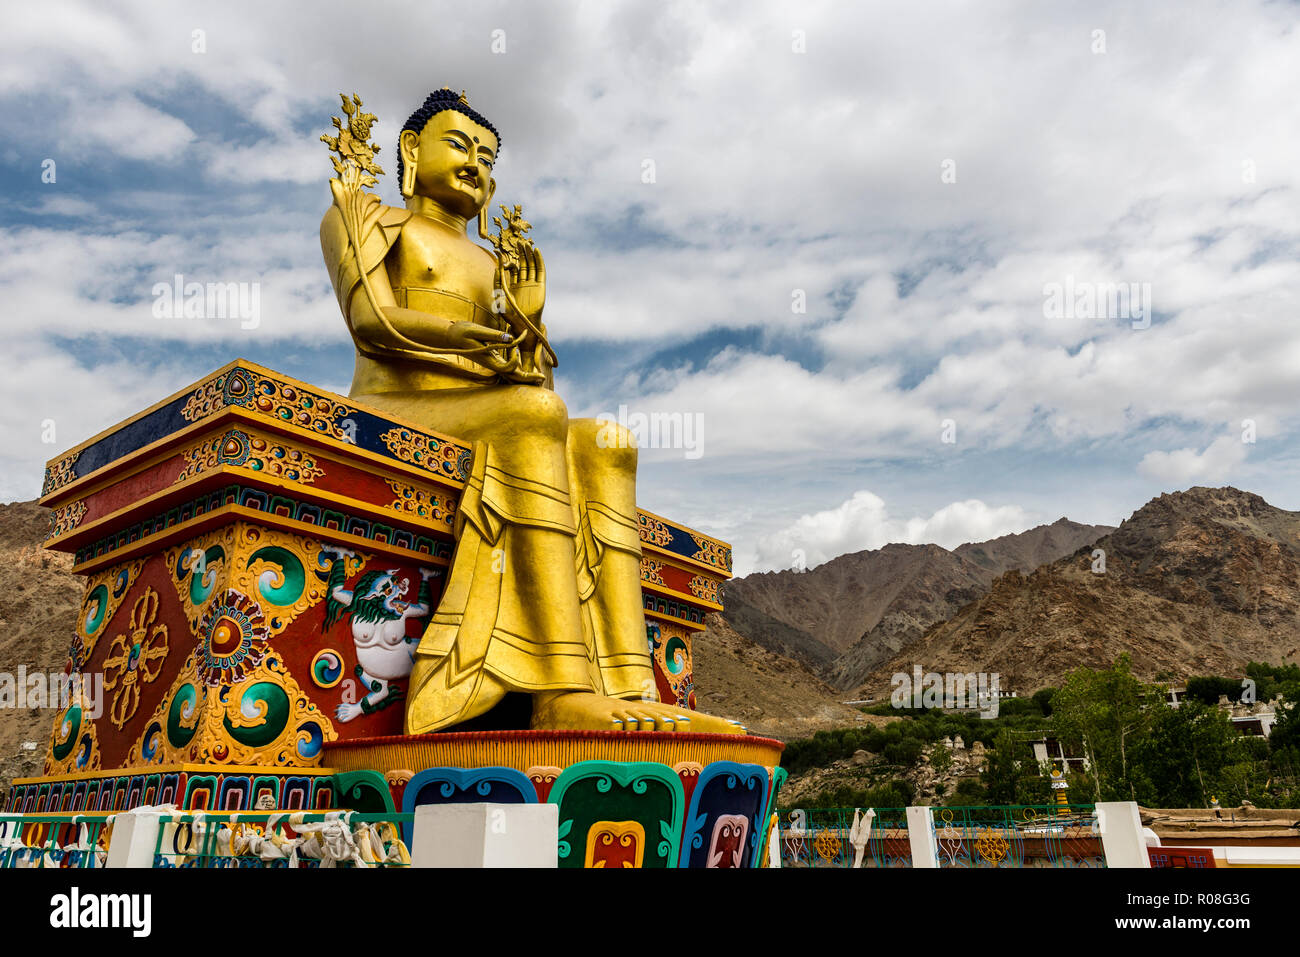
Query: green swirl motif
(182, 710)
(94, 620)
(271, 703)
(66, 735)
(282, 586)
(201, 585)
(675, 655)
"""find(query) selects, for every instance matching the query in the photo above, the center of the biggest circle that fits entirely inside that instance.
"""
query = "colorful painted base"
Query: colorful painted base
(244, 541)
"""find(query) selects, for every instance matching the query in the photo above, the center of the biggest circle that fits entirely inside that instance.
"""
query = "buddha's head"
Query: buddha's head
(446, 152)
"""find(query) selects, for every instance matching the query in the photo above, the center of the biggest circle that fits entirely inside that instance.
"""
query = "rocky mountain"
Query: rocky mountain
(846, 616)
(767, 692)
(1194, 582)
(1028, 550)
(39, 602)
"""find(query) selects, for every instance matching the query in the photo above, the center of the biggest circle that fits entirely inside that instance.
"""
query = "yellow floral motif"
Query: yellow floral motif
(654, 531)
(419, 449)
(420, 502)
(164, 752)
(67, 518)
(273, 399)
(711, 552)
(706, 588)
(218, 713)
(652, 571)
(135, 659)
(309, 411)
(251, 451)
(205, 400)
(60, 473)
(354, 158)
(301, 730)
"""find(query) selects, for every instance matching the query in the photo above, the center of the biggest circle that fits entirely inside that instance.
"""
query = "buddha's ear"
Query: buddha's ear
(491, 191)
(409, 145)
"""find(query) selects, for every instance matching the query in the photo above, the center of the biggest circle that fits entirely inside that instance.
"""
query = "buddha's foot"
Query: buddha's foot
(584, 711)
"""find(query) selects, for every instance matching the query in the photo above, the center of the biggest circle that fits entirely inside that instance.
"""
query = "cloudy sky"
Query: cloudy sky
(868, 250)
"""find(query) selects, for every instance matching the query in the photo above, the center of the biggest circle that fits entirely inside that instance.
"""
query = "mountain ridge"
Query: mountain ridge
(1200, 581)
(846, 615)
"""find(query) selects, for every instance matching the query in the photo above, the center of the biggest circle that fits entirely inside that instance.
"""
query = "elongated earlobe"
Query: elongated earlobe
(483, 213)
(410, 158)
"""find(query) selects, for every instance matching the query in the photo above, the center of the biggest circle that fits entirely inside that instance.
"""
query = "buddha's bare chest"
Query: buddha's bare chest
(426, 257)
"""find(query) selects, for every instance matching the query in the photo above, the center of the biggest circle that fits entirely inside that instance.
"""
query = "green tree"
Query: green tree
(1207, 689)
(1043, 698)
(1182, 758)
(1274, 679)
(1285, 735)
(1102, 713)
(1011, 775)
(969, 792)
(940, 758)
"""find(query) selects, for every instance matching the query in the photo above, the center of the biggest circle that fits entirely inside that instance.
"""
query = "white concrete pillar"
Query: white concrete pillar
(486, 835)
(134, 839)
(1121, 834)
(920, 834)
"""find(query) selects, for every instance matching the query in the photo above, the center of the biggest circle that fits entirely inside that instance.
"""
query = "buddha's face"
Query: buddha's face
(453, 160)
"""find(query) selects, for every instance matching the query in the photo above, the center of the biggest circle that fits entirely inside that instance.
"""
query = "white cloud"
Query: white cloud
(123, 126)
(70, 206)
(1168, 160)
(1220, 459)
(58, 402)
(864, 522)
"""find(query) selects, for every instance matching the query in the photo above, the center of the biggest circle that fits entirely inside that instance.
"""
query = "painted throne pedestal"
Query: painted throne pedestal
(211, 530)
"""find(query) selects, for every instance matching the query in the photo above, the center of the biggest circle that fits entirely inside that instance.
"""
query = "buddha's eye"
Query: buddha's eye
(485, 161)
(457, 144)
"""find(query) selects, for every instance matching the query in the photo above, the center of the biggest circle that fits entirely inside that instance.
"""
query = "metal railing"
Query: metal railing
(989, 837)
(1018, 836)
(286, 839)
(54, 840)
(825, 837)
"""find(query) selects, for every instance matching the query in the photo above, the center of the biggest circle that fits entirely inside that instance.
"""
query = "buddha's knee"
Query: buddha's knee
(538, 411)
(613, 445)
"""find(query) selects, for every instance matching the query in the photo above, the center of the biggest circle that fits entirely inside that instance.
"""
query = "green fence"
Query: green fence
(985, 837)
(53, 840)
(284, 839)
(824, 837)
(1018, 836)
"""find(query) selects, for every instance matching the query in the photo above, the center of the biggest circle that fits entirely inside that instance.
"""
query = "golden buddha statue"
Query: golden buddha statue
(544, 592)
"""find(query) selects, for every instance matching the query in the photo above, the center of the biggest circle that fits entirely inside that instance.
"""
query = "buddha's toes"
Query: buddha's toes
(584, 711)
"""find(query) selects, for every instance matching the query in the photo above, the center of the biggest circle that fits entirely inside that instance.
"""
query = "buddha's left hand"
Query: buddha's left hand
(528, 282)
